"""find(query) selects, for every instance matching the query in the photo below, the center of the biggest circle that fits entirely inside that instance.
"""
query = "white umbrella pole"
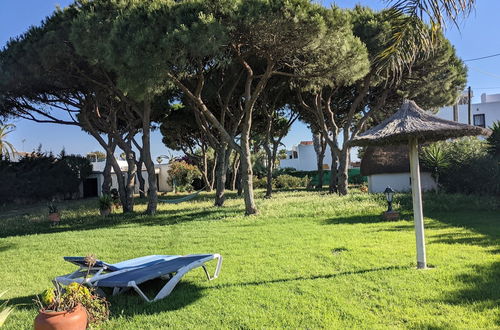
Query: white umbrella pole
(416, 192)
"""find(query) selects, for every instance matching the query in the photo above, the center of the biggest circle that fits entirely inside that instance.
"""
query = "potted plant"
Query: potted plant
(54, 215)
(71, 307)
(116, 198)
(105, 204)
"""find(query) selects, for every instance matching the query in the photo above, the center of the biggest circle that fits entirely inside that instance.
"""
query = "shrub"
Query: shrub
(42, 176)
(464, 166)
(182, 174)
(259, 183)
(286, 181)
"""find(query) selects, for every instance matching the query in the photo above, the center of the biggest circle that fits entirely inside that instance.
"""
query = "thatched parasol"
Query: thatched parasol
(411, 125)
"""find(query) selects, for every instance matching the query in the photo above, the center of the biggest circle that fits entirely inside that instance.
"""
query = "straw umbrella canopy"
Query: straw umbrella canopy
(411, 125)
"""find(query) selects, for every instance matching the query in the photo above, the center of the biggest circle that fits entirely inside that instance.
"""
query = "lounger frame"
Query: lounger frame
(174, 280)
(99, 273)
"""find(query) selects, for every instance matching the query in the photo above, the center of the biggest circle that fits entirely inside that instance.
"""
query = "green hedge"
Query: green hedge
(355, 176)
(42, 177)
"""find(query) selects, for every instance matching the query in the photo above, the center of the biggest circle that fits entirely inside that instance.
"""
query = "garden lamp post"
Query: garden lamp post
(389, 193)
(411, 125)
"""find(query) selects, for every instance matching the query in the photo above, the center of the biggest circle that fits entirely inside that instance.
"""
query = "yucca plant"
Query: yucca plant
(435, 157)
(6, 148)
(105, 202)
(4, 310)
(494, 140)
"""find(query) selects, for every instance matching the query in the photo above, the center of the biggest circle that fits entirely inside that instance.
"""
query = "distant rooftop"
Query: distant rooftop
(485, 98)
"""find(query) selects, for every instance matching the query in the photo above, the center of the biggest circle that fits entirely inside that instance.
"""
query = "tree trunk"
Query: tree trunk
(121, 186)
(148, 161)
(108, 181)
(130, 182)
(236, 170)
(220, 176)
(140, 178)
(238, 181)
(204, 171)
(116, 167)
(269, 172)
(332, 187)
(246, 166)
(319, 164)
(126, 146)
(343, 175)
(213, 173)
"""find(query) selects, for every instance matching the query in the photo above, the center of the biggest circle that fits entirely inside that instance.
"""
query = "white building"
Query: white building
(390, 166)
(303, 157)
(93, 184)
(483, 114)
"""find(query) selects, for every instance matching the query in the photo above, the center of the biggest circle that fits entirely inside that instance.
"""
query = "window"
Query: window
(479, 120)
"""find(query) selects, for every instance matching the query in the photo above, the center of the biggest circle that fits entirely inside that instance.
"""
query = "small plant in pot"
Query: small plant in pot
(54, 215)
(71, 307)
(106, 204)
(116, 198)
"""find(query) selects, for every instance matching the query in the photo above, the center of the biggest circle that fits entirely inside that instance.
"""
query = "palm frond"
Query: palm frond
(412, 37)
(4, 310)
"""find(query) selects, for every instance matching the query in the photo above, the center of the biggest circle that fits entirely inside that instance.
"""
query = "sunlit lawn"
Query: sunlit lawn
(308, 260)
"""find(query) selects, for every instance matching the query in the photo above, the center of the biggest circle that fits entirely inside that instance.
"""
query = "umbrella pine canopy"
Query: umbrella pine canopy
(411, 125)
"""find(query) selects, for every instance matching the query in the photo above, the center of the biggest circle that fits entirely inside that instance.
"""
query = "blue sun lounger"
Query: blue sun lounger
(132, 273)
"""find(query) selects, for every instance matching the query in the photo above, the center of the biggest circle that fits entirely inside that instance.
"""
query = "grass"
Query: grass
(308, 260)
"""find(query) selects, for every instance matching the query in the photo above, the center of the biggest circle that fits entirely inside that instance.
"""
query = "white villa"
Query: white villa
(483, 114)
(93, 184)
(302, 157)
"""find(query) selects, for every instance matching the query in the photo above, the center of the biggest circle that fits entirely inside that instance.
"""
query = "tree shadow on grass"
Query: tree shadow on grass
(129, 303)
(481, 288)
(20, 227)
(366, 218)
(312, 277)
(5, 247)
(485, 228)
(377, 218)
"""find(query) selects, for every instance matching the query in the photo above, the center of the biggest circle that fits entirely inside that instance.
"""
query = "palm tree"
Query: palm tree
(6, 148)
(411, 35)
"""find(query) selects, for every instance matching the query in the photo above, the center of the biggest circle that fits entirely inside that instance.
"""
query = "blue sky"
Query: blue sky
(478, 36)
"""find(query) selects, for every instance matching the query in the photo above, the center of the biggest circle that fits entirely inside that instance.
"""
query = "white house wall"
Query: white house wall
(306, 160)
(491, 111)
(399, 182)
(163, 185)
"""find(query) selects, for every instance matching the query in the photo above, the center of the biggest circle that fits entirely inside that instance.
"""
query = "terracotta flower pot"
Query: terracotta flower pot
(54, 217)
(75, 319)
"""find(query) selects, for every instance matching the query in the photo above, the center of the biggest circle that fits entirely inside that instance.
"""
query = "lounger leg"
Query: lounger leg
(139, 291)
(217, 269)
(167, 289)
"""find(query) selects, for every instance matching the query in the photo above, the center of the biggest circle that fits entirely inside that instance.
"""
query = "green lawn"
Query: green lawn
(308, 260)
